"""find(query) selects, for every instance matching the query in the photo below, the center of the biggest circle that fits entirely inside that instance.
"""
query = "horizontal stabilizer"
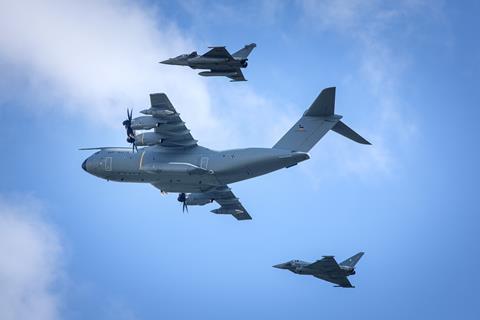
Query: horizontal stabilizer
(347, 132)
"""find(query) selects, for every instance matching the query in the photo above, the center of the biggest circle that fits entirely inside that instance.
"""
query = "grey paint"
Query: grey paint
(218, 60)
(326, 269)
(172, 161)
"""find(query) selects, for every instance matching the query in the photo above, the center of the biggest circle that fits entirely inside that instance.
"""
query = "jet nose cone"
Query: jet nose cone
(168, 61)
(279, 266)
(84, 165)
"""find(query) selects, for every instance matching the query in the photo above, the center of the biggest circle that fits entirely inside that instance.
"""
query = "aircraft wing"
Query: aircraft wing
(229, 203)
(171, 128)
(340, 281)
(326, 265)
(218, 52)
(328, 269)
(238, 76)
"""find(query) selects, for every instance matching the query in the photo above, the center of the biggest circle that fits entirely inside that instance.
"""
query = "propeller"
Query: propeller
(182, 197)
(130, 133)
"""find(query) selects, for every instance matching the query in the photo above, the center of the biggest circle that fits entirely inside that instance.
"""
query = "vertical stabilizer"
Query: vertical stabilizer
(352, 261)
(244, 52)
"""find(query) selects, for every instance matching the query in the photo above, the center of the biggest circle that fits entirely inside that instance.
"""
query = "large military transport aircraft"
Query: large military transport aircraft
(172, 161)
(326, 269)
(218, 60)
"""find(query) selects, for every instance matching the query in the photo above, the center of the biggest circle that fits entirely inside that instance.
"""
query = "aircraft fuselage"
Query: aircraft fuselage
(196, 169)
(211, 63)
(302, 267)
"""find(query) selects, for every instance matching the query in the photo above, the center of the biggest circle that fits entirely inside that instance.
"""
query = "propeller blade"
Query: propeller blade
(182, 197)
(130, 132)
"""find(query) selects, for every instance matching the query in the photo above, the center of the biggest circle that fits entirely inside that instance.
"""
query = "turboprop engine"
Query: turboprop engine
(148, 139)
(193, 199)
(145, 123)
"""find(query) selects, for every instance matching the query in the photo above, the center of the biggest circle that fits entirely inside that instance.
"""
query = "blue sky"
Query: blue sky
(75, 247)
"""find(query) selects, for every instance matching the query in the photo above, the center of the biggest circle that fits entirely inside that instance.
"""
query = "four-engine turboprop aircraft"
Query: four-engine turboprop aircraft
(326, 269)
(172, 161)
(218, 60)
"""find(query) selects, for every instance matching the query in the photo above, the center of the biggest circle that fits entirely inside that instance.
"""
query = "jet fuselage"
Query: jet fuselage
(200, 62)
(301, 267)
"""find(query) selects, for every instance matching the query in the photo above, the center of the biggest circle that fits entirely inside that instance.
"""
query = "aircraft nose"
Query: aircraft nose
(280, 266)
(168, 61)
(84, 165)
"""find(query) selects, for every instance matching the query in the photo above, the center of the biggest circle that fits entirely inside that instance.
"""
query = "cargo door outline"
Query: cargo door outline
(108, 164)
(204, 162)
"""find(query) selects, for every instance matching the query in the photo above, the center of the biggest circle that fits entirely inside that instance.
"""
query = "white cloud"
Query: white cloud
(96, 58)
(369, 25)
(30, 265)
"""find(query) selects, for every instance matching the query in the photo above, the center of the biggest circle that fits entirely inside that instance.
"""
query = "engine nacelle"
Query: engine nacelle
(157, 112)
(145, 123)
(148, 139)
(197, 199)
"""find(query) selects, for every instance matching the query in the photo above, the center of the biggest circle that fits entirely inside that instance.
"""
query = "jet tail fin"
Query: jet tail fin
(352, 261)
(315, 123)
(244, 52)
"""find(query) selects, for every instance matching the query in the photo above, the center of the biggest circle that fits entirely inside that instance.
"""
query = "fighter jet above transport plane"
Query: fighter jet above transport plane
(172, 161)
(218, 60)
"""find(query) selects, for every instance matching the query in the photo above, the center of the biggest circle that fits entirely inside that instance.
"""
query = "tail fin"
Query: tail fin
(352, 261)
(315, 123)
(244, 52)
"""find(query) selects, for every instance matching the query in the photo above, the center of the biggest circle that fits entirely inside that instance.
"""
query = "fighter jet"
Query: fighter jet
(172, 161)
(218, 60)
(326, 269)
